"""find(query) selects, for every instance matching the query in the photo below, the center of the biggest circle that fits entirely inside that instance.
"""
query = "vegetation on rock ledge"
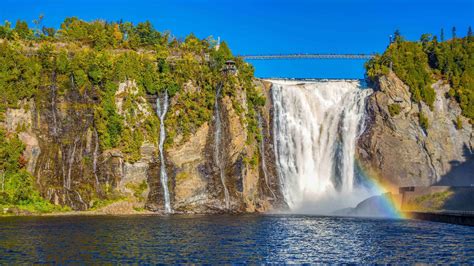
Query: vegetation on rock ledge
(419, 64)
(16, 184)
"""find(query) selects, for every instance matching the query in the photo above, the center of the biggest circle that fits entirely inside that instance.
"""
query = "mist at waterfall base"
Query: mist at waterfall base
(316, 127)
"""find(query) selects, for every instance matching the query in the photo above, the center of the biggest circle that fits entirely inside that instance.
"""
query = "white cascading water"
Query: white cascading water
(316, 125)
(161, 110)
(262, 156)
(217, 146)
(94, 159)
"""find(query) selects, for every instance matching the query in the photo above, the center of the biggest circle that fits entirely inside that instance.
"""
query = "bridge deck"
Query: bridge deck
(308, 56)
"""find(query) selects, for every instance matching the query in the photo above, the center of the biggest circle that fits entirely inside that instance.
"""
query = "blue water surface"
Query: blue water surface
(231, 239)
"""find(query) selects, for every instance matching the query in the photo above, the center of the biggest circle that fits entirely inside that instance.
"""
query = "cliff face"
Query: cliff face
(400, 152)
(196, 185)
(64, 154)
(63, 150)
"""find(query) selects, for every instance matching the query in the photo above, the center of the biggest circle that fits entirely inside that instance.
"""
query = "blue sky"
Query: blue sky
(264, 26)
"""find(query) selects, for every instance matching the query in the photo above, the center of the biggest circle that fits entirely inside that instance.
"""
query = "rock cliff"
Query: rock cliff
(196, 186)
(399, 151)
(64, 154)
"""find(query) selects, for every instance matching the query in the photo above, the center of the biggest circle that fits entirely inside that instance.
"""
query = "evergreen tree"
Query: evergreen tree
(48, 31)
(441, 36)
(453, 30)
(397, 36)
(469, 32)
(425, 38)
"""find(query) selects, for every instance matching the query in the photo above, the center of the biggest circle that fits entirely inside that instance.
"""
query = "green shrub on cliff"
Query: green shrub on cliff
(418, 64)
(16, 184)
(458, 122)
(394, 109)
(423, 120)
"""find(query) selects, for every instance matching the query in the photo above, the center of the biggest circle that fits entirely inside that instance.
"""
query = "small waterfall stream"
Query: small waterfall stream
(161, 110)
(70, 163)
(316, 126)
(94, 160)
(217, 145)
(53, 106)
(262, 155)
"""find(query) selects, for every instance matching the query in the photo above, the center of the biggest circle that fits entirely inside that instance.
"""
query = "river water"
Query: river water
(231, 239)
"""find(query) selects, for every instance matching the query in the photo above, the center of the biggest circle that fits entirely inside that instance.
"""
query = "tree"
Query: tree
(38, 23)
(117, 33)
(469, 32)
(73, 29)
(397, 36)
(425, 38)
(223, 54)
(22, 29)
(147, 35)
(192, 43)
(50, 32)
(97, 34)
(453, 31)
(441, 36)
(5, 30)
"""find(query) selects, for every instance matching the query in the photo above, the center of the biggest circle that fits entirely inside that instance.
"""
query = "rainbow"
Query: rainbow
(389, 204)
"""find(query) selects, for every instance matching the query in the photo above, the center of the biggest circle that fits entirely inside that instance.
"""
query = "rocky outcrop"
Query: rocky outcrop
(396, 149)
(385, 205)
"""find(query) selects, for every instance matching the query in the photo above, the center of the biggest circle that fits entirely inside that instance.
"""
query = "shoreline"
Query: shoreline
(451, 217)
(458, 218)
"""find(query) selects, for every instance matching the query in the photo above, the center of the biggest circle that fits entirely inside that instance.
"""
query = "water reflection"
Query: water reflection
(231, 239)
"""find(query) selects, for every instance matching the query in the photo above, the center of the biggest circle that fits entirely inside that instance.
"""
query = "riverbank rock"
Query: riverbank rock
(375, 206)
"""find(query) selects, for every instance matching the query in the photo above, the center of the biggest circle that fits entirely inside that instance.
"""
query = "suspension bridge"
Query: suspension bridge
(308, 56)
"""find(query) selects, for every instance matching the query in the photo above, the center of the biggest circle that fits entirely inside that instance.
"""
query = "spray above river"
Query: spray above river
(316, 125)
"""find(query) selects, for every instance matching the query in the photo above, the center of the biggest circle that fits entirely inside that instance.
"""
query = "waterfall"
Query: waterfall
(161, 110)
(71, 162)
(316, 125)
(217, 145)
(262, 155)
(53, 106)
(94, 160)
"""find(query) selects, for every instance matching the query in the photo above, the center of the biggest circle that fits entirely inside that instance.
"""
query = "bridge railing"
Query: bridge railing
(307, 56)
